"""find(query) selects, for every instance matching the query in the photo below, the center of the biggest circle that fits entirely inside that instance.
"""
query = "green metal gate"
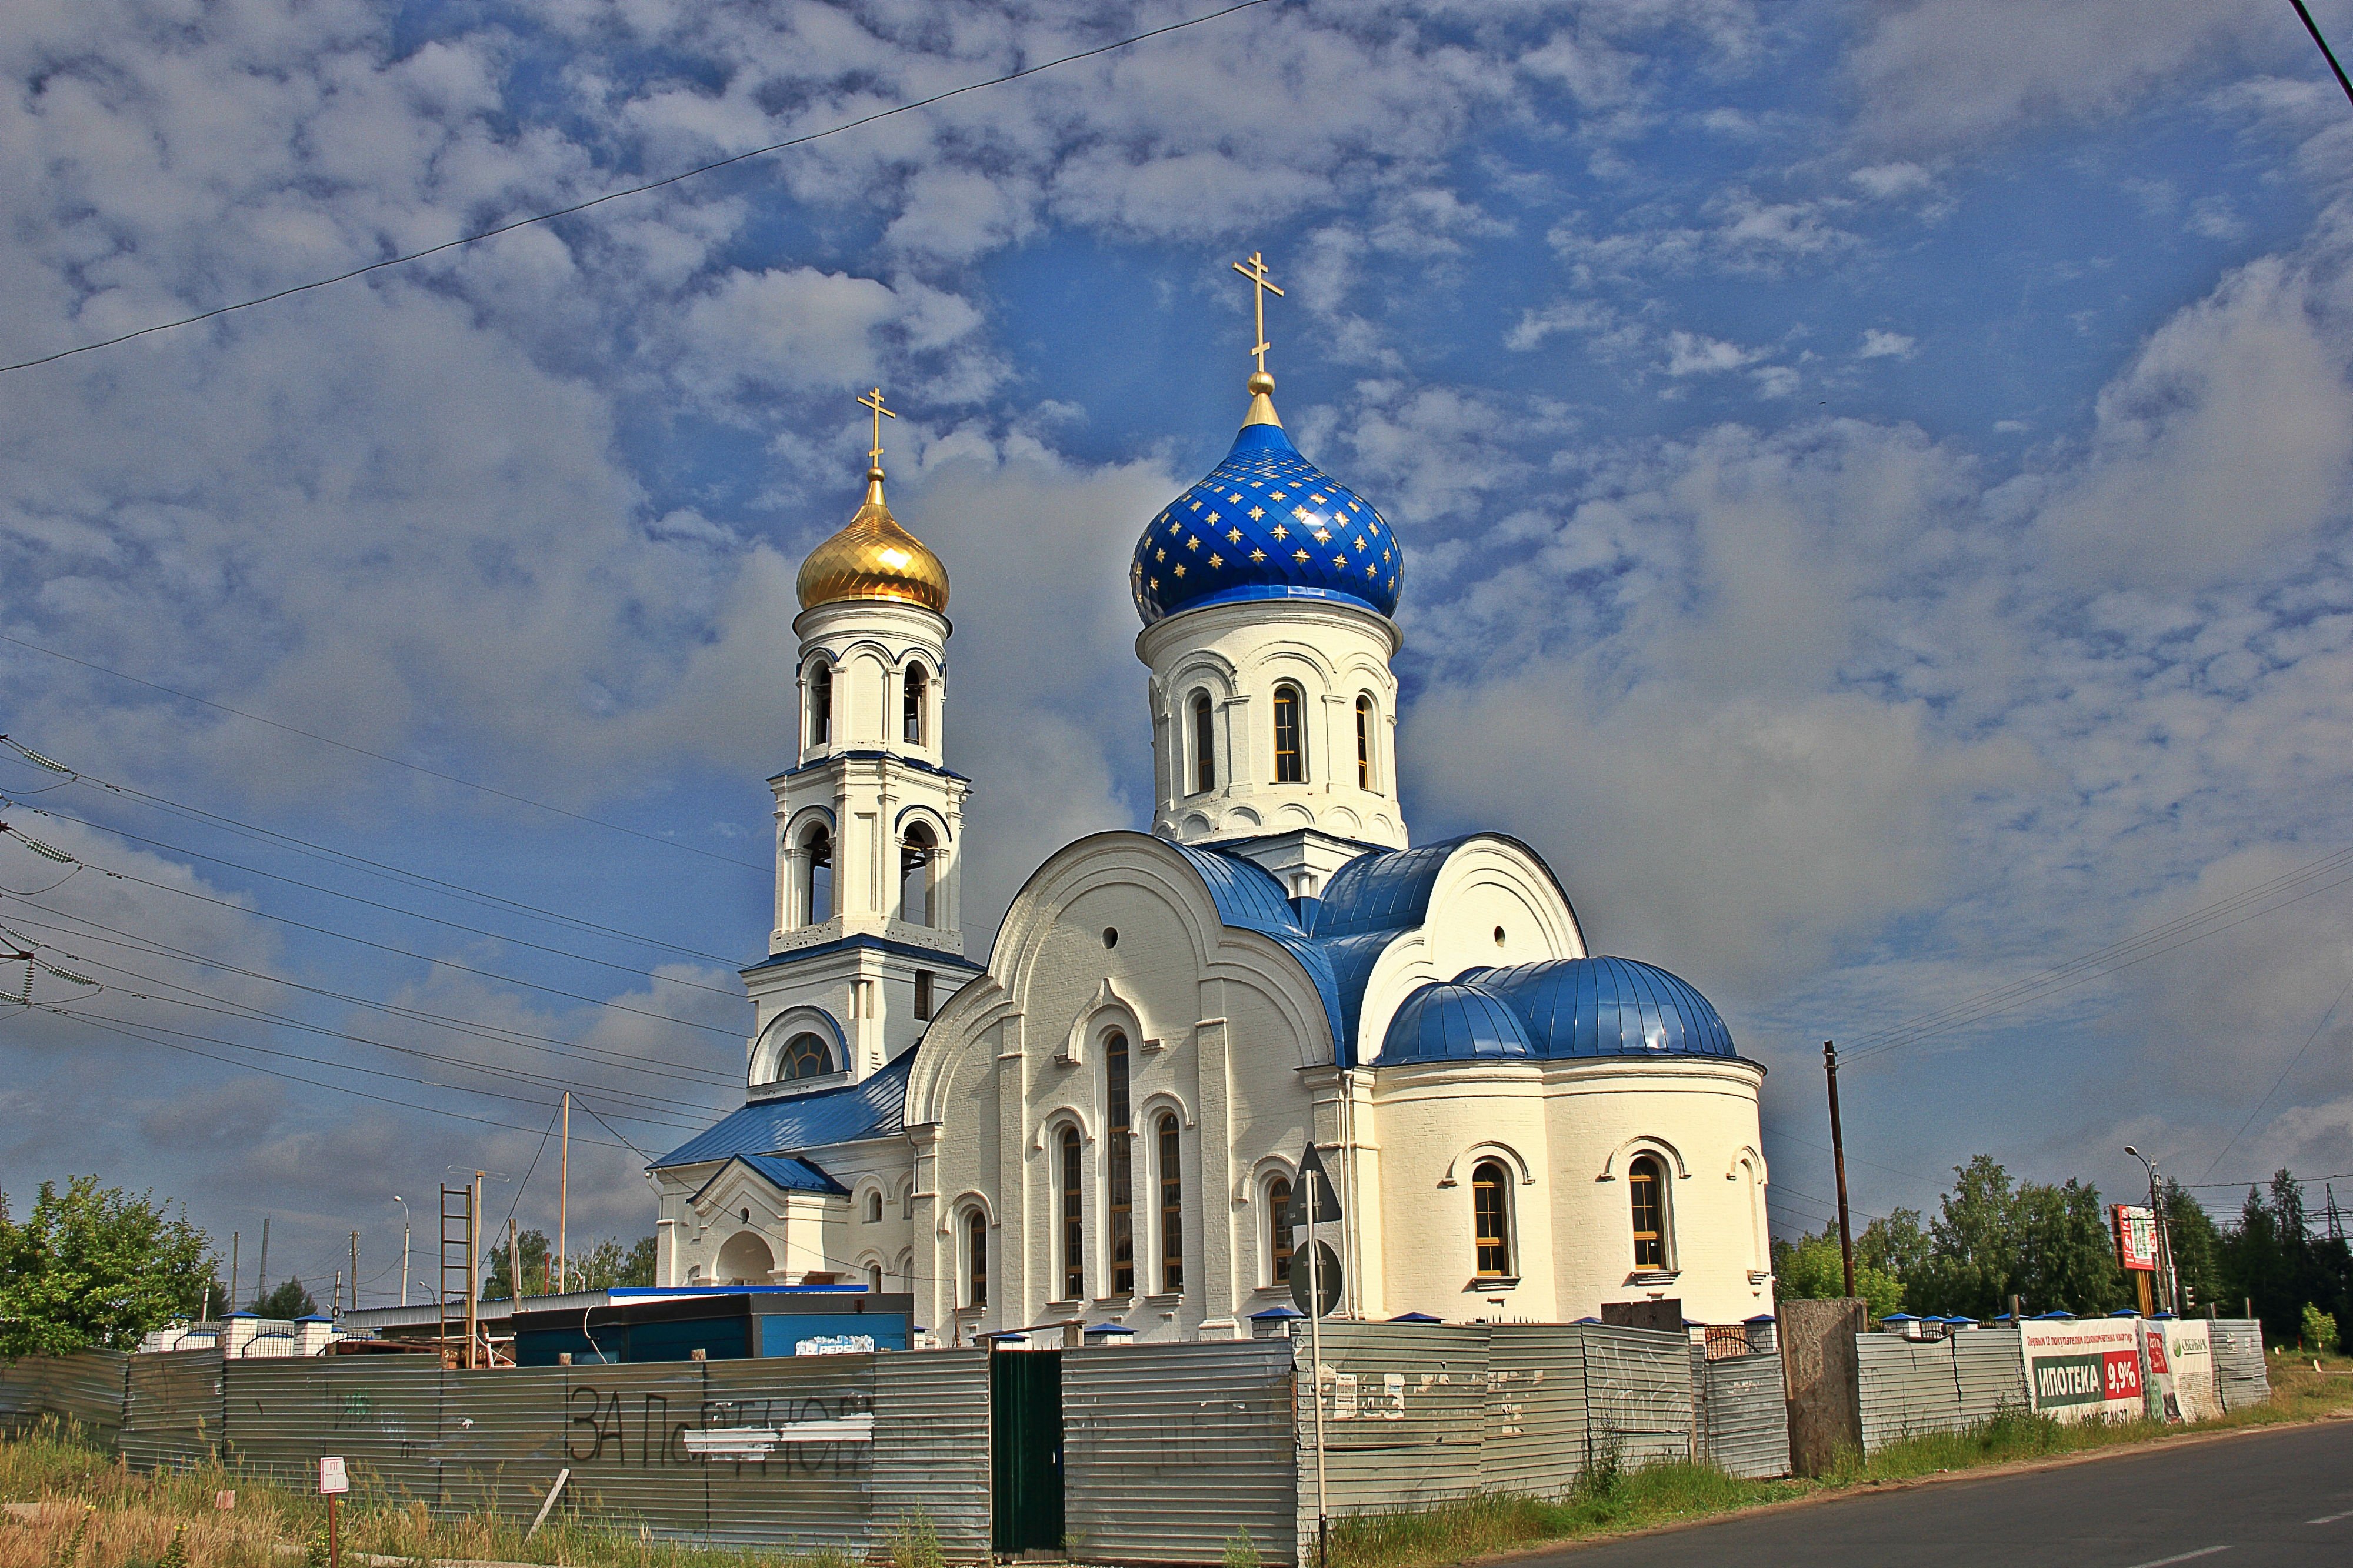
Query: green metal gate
(1024, 1421)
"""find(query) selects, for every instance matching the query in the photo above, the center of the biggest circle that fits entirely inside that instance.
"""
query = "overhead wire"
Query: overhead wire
(2293, 1063)
(683, 175)
(388, 947)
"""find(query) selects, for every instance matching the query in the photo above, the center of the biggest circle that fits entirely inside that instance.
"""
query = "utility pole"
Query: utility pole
(403, 1247)
(1838, 1157)
(563, 1202)
(2169, 1284)
(515, 1264)
(262, 1270)
(335, 1301)
(233, 1238)
(355, 1271)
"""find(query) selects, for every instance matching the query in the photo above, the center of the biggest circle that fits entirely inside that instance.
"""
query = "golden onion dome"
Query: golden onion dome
(873, 558)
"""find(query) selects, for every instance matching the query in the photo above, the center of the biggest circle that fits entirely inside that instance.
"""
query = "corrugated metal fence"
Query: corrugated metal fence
(1911, 1387)
(1740, 1413)
(85, 1391)
(1168, 1450)
(2239, 1365)
(172, 1417)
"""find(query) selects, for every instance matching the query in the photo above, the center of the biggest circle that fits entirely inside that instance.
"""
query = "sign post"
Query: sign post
(2137, 1250)
(1312, 1200)
(333, 1483)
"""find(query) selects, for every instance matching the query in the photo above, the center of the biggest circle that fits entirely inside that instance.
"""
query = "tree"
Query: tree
(538, 1256)
(602, 1267)
(95, 1266)
(288, 1301)
(1993, 1238)
(1811, 1269)
(2197, 1244)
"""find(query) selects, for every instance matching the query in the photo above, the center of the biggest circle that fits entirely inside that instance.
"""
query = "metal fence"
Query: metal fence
(2239, 1365)
(1169, 1450)
(1912, 1387)
(171, 1414)
(1740, 1413)
(85, 1391)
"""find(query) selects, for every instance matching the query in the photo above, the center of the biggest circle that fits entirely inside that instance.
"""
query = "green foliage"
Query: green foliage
(2319, 1330)
(289, 1299)
(917, 1542)
(1993, 1238)
(1811, 1269)
(2271, 1258)
(1605, 1465)
(95, 1266)
(601, 1267)
(2198, 1245)
(1242, 1552)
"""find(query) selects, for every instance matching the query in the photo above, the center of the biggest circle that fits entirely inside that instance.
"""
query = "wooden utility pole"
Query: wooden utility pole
(515, 1264)
(1837, 1158)
(355, 1271)
(234, 1280)
(563, 1201)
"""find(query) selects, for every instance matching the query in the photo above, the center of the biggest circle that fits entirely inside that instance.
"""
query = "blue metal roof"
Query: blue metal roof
(1265, 524)
(1246, 893)
(1384, 890)
(783, 1171)
(1453, 1022)
(1608, 1008)
(870, 1107)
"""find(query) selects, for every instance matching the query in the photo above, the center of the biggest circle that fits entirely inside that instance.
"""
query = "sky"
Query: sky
(1875, 480)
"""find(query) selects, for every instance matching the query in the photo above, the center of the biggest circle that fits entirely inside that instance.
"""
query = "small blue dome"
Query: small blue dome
(1606, 1007)
(1265, 524)
(1453, 1022)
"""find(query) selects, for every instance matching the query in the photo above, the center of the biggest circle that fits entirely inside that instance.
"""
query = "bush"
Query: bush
(2319, 1330)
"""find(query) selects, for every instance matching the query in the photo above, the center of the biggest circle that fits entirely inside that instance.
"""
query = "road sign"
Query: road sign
(2137, 1237)
(331, 1478)
(1326, 1273)
(1327, 1197)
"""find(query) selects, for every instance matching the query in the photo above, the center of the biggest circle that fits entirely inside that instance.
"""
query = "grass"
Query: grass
(1655, 1495)
(94, 1511)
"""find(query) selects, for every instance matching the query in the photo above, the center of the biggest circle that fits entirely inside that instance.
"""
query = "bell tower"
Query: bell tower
(867, 939)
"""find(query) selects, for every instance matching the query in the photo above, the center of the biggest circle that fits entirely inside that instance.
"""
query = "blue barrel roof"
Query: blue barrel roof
(1560, 1008)
(1455, 1022)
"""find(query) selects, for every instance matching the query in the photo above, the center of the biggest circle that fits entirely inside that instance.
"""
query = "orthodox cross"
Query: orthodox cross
(874, 401)
(1260, 287)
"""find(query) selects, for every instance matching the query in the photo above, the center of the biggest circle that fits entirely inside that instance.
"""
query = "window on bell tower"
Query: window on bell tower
(1290, 741)
(917, 700)
(1204, 744)
(817, 875)
(821, 704)
(1364, 741)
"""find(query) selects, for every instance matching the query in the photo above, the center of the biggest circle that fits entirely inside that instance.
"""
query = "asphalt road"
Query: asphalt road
(2273, 1499)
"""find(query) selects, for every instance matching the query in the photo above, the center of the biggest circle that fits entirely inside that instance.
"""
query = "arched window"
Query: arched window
(1074, 1232)
(1204, 744)
(874, 1206)
(1646, 1185)
(1121, 1173)
(1364, 741)
(1490, 1199)
(1290, 737)
(817, 874)
(1172, 1206)
(821, 704)
(1277, 1231)
(975, 1259)
(805, 1056)
(918, 698)
(874, 1278)
(916, 879)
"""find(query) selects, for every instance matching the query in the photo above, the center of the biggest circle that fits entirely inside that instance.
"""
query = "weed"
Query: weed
(917, 1542)
(1242, 1552)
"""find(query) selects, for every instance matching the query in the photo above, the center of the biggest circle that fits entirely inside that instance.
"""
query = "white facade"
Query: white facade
(1101, 1123)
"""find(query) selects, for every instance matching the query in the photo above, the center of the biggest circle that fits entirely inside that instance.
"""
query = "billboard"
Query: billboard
(2179, 1355)
(2137, 1237)
(2076, 1371)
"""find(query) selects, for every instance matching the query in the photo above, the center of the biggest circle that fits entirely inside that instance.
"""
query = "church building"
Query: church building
(1107, 1120)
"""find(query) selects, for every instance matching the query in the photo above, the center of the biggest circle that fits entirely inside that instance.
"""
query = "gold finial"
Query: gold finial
(1260, 287)
(874, 401)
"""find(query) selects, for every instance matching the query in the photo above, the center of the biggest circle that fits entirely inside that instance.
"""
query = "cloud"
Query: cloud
(1692, 354)
(1880, 344)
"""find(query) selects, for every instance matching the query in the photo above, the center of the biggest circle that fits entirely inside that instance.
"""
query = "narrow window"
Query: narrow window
(1490, 1198)
(1122, 1172)
(915, 855)
(1289, 754)
(1645, 1186)
(1172, 1207)
(874, 1206)
(975, 1261)
(1204, 744)
(1074, 1235)
(923, 995)
(817, 875)
(821, 704)
(1364, 742)
(874, 1278)
(805, 1056)
(918, 696)
(1277, 1230)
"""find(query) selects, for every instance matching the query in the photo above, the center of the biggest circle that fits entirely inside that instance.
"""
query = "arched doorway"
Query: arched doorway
(746, 1259)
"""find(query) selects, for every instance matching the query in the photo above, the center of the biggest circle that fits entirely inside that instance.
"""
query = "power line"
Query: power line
(2326, 52)
(115, 936)
(2149, 944)
(630, 191)
(342, 859)
(379, 904)
(2275, 1089)
(381, 757)
(387, 947)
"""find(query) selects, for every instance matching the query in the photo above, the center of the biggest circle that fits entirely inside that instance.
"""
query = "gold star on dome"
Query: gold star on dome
(1360, 544)
(1180, 569)
(1299, 556)
(1257, 512)
(1322, 536)
(1257, 554)
(1281, 531)
(1192, 544)
(1369, 569)
(1160, 555)
(1275, 495)
(1211, 518)
(1175, 529)
(1233, 536)
(1153, 584)
(1341, 562)
(1197, 506)
(1316, 501)
(1216, 561)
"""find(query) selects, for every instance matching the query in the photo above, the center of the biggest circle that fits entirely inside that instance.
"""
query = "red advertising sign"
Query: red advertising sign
(2121, 1370)
(2137, 1237)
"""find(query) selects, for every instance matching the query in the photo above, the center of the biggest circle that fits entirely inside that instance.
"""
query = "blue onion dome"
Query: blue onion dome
(1265, 523)
(1605, 1008)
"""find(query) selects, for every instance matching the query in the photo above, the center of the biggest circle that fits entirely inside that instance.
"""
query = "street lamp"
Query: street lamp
(403, 1247)
(2169, 1278)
